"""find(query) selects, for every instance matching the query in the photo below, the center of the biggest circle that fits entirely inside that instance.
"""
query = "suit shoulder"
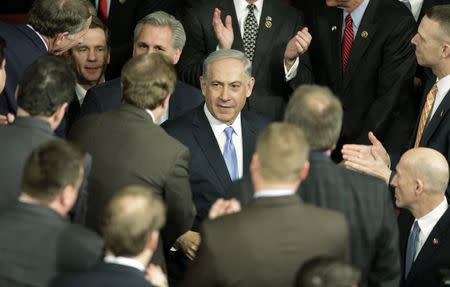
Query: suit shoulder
(256, 120)
(179, 124)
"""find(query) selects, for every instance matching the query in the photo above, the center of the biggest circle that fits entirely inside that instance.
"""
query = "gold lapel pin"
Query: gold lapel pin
(364, 34)
(122, 1)
(435, 241)
(442, 113)
(334, 28)
(268, 22)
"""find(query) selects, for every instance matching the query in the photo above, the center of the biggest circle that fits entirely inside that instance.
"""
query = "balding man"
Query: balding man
(420, 184)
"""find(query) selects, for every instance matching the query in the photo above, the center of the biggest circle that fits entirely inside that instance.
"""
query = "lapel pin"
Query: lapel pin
(334, 28)
(442, 113)
(122, 1)
(435, 241)
(364, 34)
(268, 22)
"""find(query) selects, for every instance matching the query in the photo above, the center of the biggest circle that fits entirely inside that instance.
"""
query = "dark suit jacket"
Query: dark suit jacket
(17, 141)
(104, 275)
(266, 243)
(432, 257)
(122, 19)
(128, 148)
(36, 244)
(271, 90)
(106, 96)
(209, 175)
(23, 46)
(376, 90)
(366, 203)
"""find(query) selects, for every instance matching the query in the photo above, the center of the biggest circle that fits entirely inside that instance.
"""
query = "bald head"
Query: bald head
(430, 167)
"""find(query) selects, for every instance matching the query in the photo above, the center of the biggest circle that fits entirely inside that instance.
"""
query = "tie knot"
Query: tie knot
(348, 18)
(229, 132)
(251, 7)
(416, 227)
(434, 90)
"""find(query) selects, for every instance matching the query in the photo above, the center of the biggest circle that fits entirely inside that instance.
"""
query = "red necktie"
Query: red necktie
(103, 11)
(347, 41)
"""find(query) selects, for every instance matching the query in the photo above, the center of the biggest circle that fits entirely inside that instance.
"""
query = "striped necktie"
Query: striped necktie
(347, 41)
(426, 113)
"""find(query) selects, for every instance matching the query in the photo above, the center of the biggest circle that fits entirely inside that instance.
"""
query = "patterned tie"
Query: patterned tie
(425, 113)
(411, 248)
(229, 154)
(250, 32)
(347, 41)
(103, 11)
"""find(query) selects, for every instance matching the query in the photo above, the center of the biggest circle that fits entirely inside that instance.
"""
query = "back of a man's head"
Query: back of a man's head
(45, 85)
(130, 218)
(51, 17)
(50, 168)
(282, 151)
(327, 272)
(318, 113)
(147, 80)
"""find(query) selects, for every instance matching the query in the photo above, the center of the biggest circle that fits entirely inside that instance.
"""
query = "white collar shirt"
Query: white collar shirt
(151, 114)
(273, 193)
(81, 93)
(125, 261)
(443, 86)
(357, 16)
(218, 128)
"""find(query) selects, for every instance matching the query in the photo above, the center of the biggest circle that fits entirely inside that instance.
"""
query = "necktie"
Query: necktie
(425, 113)
(411, 248)
(103, 11)
(250, 32)
(347, 41)
(229, 155)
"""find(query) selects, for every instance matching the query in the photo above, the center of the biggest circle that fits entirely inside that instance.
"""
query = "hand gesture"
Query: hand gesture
(222, 207)
(224, 33)
(189, 243)
(156, 276)
(296, 47)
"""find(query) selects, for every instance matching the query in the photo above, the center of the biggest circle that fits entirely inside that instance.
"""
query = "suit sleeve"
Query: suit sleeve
(195, 51)
(385, 271)
(90, 104)
(394, 84)
(178, 198)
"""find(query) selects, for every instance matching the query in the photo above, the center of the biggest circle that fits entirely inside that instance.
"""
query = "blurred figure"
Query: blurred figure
(36, 242)
(130, 227)
(327, 272)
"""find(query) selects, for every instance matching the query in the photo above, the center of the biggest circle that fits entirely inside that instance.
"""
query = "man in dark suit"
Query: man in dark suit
(362, 51)
(89, 61)
(267, 242)
(363, 199)
(128, 147)
(424, 223)
(36, 242)
(121, 16)
(218, 157)
(43, 94)
(54, 27)
(130, 227)
(156, 32)
(432, 127)
(271, 34)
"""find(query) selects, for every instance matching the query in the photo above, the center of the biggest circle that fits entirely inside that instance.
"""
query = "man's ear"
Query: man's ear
(203, 85)
(67, 197)
(108, 55)
(304, 172)
(153, 241)
(250, 85)
(419, 187)
(165, 102)
(177, 55)
(59, 38)
(59, 114)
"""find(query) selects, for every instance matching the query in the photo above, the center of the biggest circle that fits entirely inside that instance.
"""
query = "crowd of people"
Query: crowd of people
(235, 143)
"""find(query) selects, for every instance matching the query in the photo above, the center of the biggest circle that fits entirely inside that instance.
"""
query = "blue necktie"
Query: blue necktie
(229, 154)
(411, 248)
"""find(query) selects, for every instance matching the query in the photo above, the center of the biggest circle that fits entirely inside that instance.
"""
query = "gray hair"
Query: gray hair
(162, 19)
(223, 54)
(318, 113)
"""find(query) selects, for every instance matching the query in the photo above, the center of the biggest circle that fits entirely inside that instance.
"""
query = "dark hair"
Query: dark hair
(50, 17)
(130, 218)
(327, 272)
(441, 14)
(2, 51)
(97, 23)
(51, 167)
(45, 85)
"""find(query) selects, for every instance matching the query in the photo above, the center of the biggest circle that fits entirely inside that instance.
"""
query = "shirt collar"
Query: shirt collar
(429, 220)
(125, 261)
(358, 13)
(81, 93)
(218, 126)
(273, 193)
(241, 5)
(151, 114)
(443, 85)
(31, 27)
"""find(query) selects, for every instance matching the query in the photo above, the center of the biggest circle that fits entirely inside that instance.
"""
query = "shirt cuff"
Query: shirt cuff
(289, 75)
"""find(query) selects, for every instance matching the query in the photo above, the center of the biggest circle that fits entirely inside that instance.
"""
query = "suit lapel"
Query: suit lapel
(439, 114)
(208, 144)
(430, 247)
(368, 26)
(248, 141)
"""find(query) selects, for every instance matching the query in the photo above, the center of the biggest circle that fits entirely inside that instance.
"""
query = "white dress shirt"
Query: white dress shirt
(241, 14)
(443, 86)
(427, 223)
(81, 93)
(151, 114)
(218, 128)
(357, 16)
(416, 6)
(125, 261)
(273, 193)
